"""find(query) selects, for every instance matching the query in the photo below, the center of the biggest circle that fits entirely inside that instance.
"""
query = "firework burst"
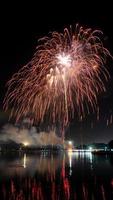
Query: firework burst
(64, 77)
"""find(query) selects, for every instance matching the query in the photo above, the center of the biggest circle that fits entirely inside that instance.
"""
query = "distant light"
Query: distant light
(105, 148)
(90, 148)
(25, 144)
(70, 142)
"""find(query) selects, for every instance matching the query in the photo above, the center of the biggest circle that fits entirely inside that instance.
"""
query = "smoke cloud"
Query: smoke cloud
(31, 136)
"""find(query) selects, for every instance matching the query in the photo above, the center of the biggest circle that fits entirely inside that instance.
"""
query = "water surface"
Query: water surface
(58, 176)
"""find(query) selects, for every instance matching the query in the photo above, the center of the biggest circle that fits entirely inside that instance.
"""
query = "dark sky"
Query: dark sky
(20, 27)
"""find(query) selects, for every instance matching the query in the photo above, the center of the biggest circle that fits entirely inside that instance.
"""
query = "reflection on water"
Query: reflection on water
(24, 163)
(68, 175)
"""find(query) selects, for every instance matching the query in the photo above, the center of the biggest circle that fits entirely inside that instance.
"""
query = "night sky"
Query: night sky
(20, 28)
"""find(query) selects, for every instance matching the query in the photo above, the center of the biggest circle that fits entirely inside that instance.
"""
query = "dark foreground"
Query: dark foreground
(50, 176)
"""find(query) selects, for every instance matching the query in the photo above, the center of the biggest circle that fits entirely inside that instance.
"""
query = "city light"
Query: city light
(25, 144)
(90, 148)
(70, 142)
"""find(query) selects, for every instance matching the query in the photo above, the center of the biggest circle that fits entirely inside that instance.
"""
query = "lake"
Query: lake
(56, 176)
